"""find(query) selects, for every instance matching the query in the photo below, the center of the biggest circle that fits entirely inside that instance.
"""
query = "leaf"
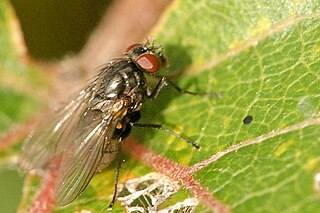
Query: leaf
(263, 58)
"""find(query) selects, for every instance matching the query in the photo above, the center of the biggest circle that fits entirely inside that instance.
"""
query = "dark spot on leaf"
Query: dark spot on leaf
(248, 119)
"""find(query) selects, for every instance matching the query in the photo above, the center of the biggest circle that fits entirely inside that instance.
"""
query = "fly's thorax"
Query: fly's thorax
(119, 79)
(119, 89)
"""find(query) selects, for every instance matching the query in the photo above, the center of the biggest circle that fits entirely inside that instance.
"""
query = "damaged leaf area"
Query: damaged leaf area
(263, 60)
(147, 193)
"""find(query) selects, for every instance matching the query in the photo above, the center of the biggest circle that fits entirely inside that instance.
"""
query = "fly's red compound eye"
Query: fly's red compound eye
(131, 47)
(148, 62)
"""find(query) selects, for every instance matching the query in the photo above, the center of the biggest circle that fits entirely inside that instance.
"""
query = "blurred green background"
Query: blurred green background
(11, 189)
(51, 29)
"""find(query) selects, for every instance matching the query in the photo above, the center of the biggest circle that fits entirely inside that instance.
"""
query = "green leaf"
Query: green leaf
(263, 58)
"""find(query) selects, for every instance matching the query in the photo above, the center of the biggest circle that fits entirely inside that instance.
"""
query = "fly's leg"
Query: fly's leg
(119, 162)
(156, 91)
(158, 126)
(165, 81)
(154, 94)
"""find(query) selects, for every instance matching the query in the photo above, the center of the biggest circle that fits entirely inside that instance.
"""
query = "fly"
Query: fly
(87, 132)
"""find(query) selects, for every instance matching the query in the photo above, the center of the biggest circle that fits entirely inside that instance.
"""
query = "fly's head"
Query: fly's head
(148, 57)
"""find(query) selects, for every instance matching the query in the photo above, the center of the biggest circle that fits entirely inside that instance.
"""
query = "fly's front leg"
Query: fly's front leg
(165, 81)
(156, 91)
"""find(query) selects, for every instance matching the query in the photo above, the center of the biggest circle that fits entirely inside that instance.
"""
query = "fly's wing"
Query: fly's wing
(40, 146)
(91, 137)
